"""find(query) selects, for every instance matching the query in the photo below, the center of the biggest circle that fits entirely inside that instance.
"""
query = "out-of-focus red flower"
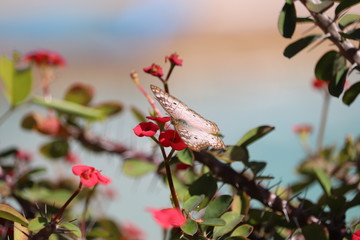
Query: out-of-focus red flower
(356, 235)
(147, 129)
(319, 84)
(45, 58)
(23, 155)
(302, 128)
(72, 158)
(50, 125)
(154, 70)
(182, 166)
(109, 192)
(168, 217)
(171, 138)
(130, 231)
(160, 119)
(89, 176)
(174, 59)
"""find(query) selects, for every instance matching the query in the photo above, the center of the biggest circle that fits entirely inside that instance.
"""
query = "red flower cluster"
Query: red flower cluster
(167, 138)
(168, 217)
(23, 155)
(174, 59)
(45, 58)
(89, 176)
(154, 70)
(302, 129)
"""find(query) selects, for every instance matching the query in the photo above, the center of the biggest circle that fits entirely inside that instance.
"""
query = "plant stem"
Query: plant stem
(169, 177)
(58, 216)
(323, 119)
(86, 207)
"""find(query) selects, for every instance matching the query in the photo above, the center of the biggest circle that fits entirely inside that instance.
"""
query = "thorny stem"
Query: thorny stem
(169, 177)
(323, 119)
(83, 218)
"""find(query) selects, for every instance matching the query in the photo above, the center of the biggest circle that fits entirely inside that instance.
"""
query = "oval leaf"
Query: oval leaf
(351, 94)
(55, 149)
(244, 230)
(218, 206)
(324, 181)
(295, 47)
(186, 156)
(320, 7)
(205, 185)
(231, 220)
(336, 86)
(348, 19)
(36, 224)
(254, 134)
(135, 168)
(287, 20)
(213, 222)
(190, 227)
(328, 66)
(71, 228)
(193, 202)
(345, 5)
(80, 93)
(353, 34)
(109, 108)
(11, 214)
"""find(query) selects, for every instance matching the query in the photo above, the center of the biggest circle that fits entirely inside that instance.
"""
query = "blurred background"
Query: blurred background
(234, 74)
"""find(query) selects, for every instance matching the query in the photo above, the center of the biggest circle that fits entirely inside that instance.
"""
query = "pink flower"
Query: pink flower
(160, 119)
(174, 59)
(171, 138)
(356, 235)
(49, 125)
(168, 217)
(23, 155)
(147, 129)
(45, 58)
(89, 176)
(302, 129)
(130, 231)
(72, 158)
(319, 84)
(154, 70)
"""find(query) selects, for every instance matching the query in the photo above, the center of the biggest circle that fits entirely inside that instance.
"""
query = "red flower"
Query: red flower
(72, 158)
(147, 129)
(356, 235)
(46, 58)
(168, 217)
(130, 231)
(160, 119)
(23, 155)
(174, 59)
(171, 138)
(89, 176)
(49, 125)
(182, 166)
(154, 70)
(319, 84)
(303, 128)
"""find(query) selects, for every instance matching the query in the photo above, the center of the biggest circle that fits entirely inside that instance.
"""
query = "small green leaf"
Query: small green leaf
(218, 206)
(109, 108)
(231, 220)
(235, 153)
(348, 19)
(73, 229)
(17, 82)
(351, 94)
(244, 230)
(353, 34)
(133, 167)
(36, 224)
(328, 66)
(80, 93)
(324, 180)
(256, 166)
(336, 86)
(205, 185)
(11, 214)
(213, 222)
(56, 149)
(190, 227)
(140, 117)
(70, 108)
(319, 8)
(304, 20)
(297, 46)
(287, 20)
(186, 156)
(345, 5)
(193, 202)
(254, 134)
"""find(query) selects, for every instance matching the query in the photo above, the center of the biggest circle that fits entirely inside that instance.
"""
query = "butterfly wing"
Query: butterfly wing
(179, 110)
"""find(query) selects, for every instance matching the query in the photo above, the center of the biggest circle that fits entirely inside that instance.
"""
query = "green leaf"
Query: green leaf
(218, 206)
(70, 108)
(190, 227)
(345, 4)
(244, 230)
(73, 229)
(53, 197)
(36, 224)
(256, 166)
(56, 149)
(287, 20)
(186, 156)
(324, 181)
(11, 214)
(109, 108)
(193, 202)
(213, 222)
(17, 82)
(138, 114)
(234, 153)
(319, 8)
(304, 20)
(351, 94)
(297, 46)
(254, 134)
(315, 232)
(231, 220)
(20, 232)
(236, 238)
(79, 93)
(205, 185)
(353, 34)
(328, 66)
(336, 86)
(348, 19)
(133, 167)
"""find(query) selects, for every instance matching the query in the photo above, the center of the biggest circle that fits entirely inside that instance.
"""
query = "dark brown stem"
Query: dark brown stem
(169, 176)
(58, 216)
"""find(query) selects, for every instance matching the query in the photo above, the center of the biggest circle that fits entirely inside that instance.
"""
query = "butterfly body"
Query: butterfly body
(197, 132)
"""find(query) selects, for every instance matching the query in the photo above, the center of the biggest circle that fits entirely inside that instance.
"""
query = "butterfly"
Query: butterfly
(196, 132)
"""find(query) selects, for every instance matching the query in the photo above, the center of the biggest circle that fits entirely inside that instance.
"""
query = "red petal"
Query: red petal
(79, 169)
